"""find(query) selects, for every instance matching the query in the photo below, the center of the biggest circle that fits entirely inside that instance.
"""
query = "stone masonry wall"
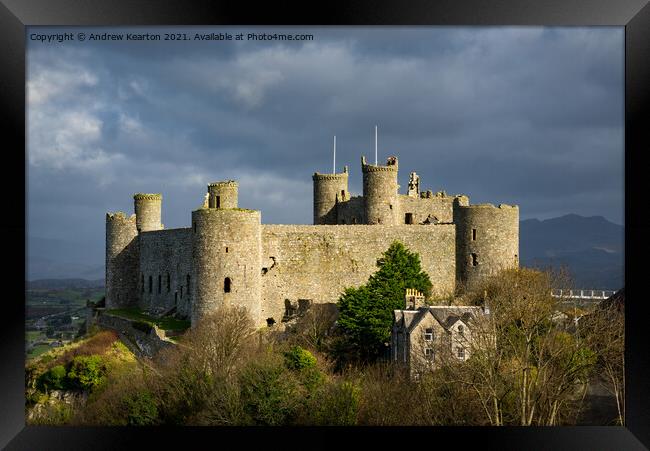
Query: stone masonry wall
(163, 253)
(122, 260)
(487, 241)
(319, 262)
(440, 207)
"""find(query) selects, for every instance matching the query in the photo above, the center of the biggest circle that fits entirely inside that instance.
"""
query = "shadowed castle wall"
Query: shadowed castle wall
(166, 253)
(122, 260)
(351, 212)
(319, 262)
(487, 241)
(327, 188)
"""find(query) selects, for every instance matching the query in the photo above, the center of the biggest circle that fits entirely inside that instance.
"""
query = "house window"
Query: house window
(461, 330)
(474, 259)
(428, 334)
(226, 285)
(150, 284)
(428, 352)
(461, 353)
(473, 234)
(188, 284)
(169, 283)
(159, 284)
(408, 218)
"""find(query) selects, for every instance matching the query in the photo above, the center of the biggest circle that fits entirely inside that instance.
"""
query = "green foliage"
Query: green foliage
(298, 358)
(165, 323)
(142, 409)
(143, 326)
(86, 372)
(337, 405)
(269, 393)
(366, 312)
(53, 379)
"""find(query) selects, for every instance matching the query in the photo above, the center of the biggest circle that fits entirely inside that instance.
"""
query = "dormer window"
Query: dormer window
(428, 334)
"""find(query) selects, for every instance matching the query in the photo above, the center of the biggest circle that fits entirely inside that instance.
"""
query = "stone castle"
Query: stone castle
(228, 257)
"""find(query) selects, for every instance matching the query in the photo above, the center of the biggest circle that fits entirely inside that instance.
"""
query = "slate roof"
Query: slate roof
(447, 316)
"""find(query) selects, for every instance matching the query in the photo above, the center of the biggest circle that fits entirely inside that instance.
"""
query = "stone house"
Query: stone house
(423, 336)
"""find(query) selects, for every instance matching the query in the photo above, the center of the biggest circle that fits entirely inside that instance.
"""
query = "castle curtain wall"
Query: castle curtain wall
(165, 252)
(319, 262)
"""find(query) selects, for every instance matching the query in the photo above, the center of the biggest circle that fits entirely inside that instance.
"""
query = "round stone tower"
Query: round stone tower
(327, 188)
(122, 261)
(226, 253)
(148, 211)
(487, 241)
(380, 193)
(223, 194)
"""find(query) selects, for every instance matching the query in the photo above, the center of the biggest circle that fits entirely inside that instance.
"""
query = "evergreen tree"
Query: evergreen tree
(366, 313)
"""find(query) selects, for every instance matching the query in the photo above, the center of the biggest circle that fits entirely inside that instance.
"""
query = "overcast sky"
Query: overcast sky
(525, 115)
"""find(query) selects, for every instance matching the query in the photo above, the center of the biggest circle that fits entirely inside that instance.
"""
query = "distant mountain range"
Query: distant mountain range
(591, 247)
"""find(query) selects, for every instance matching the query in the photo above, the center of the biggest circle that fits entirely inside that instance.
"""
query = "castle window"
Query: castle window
(169, 283)
(342, 194)
(270, 322)
(473, 234)
(150, 284)
(142, 282)
(354, 220)
(218, 201)
(408, 218)
(226, 285)
(159, 284)
(474, 259)
(181, 291)
(175, 297)
(428, 334)
(188, 284)
(226, 249)
(342, 221)
(390, 206)
(194, 227)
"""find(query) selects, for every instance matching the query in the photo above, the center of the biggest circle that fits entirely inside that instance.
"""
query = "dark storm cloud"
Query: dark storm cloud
(532, 116)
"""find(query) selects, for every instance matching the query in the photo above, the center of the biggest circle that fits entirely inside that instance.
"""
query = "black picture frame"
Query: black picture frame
(15, 15)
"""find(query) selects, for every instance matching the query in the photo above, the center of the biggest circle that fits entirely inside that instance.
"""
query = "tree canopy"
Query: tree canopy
(366, 312)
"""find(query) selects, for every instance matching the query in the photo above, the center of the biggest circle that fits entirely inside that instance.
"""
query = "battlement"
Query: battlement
(339, 176)
(147, 196)
(488, 205)
(231, 183)
(119, 216)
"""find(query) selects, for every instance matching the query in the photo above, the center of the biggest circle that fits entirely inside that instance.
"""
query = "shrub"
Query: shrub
(53, 379)
(298, 358)
(86, 372)
(142, 409)
(337, 405)
(269, 392)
